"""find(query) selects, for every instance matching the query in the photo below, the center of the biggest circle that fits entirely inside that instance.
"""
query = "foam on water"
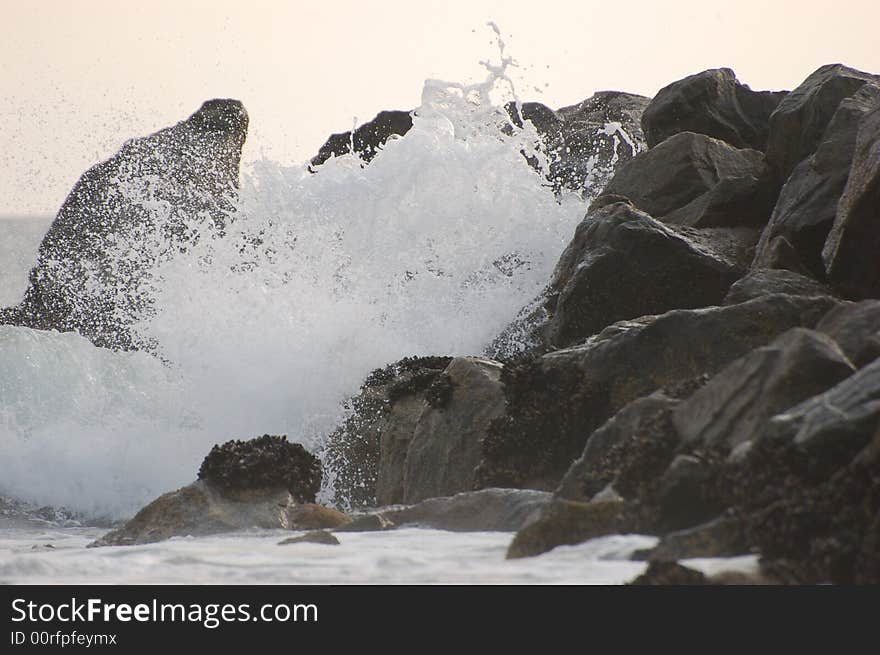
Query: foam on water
(431, 249)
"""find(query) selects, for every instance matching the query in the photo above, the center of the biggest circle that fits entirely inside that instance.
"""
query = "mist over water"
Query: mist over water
(317, 280)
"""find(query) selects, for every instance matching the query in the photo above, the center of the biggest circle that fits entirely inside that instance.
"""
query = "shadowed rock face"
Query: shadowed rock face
(368, 139)
(97, 255)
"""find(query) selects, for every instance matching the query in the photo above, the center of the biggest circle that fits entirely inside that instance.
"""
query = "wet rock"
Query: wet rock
(556, 401)
(713, 103)
(316, 537)
(855, 327)
(445, 445)
(731, 408)
(808, 203)
(95, 259)
(692, 179)
(566, 523)
(372, 443)
(368, 138)
(724, 536)
(367, 523)
(669, 573)
(200, 509)
(798, 123)
(267, 461)
(684, 495)
(764, 281)
(850, 253)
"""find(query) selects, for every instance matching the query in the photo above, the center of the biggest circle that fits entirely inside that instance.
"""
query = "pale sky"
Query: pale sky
(79, 77)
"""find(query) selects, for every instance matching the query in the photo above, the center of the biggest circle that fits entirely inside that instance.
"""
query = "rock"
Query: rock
(96, 257)
(368, 138)
(732, 407)
(372, 443)
(692, 179)
(765, 281)
(445, 445)
(567, 523)
(587, 475)
(315, 537)
(617, 249)
(850, 253)
(807, 204)
(724, 536)
(200, 509)
(669, 573)
(684, 495)
(713, 103)
(267, 461)
(797, 124)
(855, 327)
(554, 402)
(367, 523)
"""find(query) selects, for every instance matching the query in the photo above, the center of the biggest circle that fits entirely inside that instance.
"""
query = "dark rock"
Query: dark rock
(566, 523)
(445, 445)
(692, 179)
(96, 257)
(713, 103)
(264, 462)
(588, 474)
(367, 523)
(724, 536)
(764, 281)
(684, 495)
(315, 537)
(368, 138)
(855, 327)
(378, 431)
(797, 124)
(669, 573)
(807, 204)
(200, 509)
(851, 251)
(554, 402)
(731, 408)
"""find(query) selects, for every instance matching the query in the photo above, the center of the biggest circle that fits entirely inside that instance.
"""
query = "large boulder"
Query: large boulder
(713, 103)
(692, 179)
(445, 447)
(554, 402)
(800, 120)
(96, 256)
(855, 327)
(368, 138)
(808, 203)
(851, 251)
(765, 281)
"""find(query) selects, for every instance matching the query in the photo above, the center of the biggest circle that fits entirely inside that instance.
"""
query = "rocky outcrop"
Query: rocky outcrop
(661, 573)
(368, 138)
(800, 120)
(96, 256)
(808, 203)
(851, 251)
(724, 536)
(855, 327)
(692, 179)
(765, 281)
(713, 103)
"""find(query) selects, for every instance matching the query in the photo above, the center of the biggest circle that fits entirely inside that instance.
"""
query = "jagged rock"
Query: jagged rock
(567, 522)
(735, 403)
(797, 124)
(587, 474)
(764, 281)
(264, 462)
(316, 537)
(851, 251)
(372, 443)
(692, 179)
(96, 256)
(200, 509)
(724, 536)
(554, 402)
(669, 573)
(713, 103)
(445, 445)
(807, 204)
(855, 327)
(368, 138)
